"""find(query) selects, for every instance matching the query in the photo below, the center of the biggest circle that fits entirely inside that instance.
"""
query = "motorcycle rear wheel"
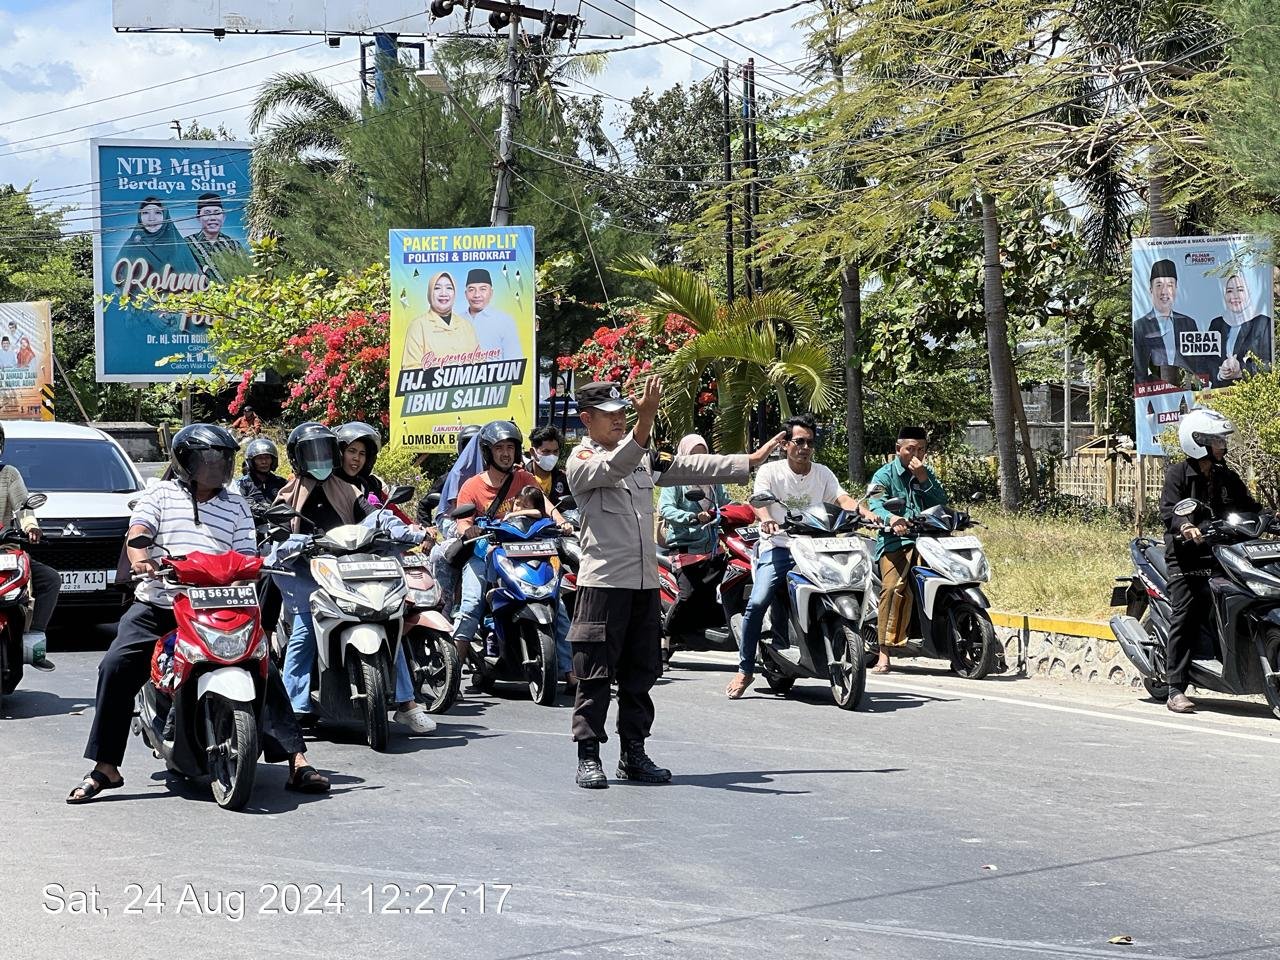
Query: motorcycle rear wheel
(975, 651)
(849, 669)
(1157, 690)
(231, 724)
(367, 678)
(440, 670)
(1269, 654)
(542, 675)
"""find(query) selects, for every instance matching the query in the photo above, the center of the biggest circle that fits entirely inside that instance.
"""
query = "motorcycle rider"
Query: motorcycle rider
(800, 484)
(1205, 477)
(46, 585)
(501, 481)
(543, 462)
(909, 478)
(190, 512)
(260, 485)
(440, 525)
(318, 492)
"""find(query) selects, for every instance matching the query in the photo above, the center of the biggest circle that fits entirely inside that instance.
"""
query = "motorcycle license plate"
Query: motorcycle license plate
(833, 544)
(961, 543)
(1267, 550)
(544, 548)
(751, 533)
(415, 561)
(206, 598)
(369, 569)
(8, 561)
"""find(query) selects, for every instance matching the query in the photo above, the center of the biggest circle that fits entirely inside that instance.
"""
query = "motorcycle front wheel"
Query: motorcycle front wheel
(849, 668)
(974, 647)
(540, 647)
(231, 728)
(366, 678)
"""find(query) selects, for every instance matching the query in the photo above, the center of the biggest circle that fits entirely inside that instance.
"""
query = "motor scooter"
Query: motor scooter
(358, 611)
(16, 602)
(1238, 651)
(949, 618)
(201, 709)
(428, 637)
(826, 592)
(515, 642)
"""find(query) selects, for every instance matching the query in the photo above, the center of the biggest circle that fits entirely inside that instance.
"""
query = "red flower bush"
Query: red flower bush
(624, 352)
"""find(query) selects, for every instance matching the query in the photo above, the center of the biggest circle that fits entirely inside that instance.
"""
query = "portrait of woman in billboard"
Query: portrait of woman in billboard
(440, 332)
(156, 241)
(1245, 333)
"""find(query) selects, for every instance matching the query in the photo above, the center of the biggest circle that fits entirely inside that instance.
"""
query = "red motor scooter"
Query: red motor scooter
(739, 534)
(428, 638)
(201, 712)
(15, 601)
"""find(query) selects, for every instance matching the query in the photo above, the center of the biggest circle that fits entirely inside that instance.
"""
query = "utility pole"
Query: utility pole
(728, 179)
(748, 223)
(177, 127)
(1066, 390)
(501, 215)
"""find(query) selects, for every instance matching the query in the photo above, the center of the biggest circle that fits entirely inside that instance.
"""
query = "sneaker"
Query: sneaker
(417, 719)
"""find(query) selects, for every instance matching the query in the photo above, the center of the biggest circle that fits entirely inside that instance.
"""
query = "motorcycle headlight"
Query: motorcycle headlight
(226, 644)
(427, 599)
(516, 573)
(840, 569)
(325, 572)
(1261, 583)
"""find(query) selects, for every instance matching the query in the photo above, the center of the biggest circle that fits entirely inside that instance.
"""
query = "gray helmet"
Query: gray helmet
(465, 435)
(356, 430)
(497, 431)
(261, 447)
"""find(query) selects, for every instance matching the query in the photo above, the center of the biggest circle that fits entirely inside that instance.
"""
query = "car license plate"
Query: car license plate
(961, 543)
(84, 581)
(207, 598)
(1266, 550)
(541, 548)
(834, 544)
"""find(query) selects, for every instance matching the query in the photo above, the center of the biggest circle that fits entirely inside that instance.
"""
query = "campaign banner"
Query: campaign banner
(462, 333)
(26, 361)
(168, 210)
(1202, 320)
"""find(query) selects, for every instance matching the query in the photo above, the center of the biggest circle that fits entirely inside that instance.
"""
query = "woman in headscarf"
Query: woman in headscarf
(440, 332)
(692, 536)
(25, 353)
(157, 241)
(1243, 332)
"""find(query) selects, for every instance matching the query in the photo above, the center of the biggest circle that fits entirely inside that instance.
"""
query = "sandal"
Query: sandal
(306, 780)
(881, 668)
(94, 782)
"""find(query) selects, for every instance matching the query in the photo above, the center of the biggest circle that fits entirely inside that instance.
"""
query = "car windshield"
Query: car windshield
(79, 466)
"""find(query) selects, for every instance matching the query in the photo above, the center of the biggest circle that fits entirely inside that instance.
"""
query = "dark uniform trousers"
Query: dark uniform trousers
(126, 666)
(615, 634)
(1192, 603)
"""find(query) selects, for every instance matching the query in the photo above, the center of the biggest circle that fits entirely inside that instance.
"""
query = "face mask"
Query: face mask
(321, 473)
(548, 461)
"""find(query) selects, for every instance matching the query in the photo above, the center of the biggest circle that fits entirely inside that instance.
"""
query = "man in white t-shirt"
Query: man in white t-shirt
(801, 485)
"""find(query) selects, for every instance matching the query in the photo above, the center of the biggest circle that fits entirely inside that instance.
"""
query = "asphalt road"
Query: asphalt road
(947, 819)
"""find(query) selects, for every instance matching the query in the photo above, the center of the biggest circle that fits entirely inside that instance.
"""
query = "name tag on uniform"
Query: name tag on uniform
(1193, 343)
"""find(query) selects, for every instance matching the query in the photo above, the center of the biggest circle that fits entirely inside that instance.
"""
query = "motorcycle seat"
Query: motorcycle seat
(665, 561)
(1155, 556)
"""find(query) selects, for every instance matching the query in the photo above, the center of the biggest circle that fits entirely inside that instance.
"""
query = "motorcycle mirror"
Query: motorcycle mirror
(34, 502)
(433, 501)
(401, 494)
(463, 511)
(142, 541)
(567, 503)
(279, 535)
(279, 514)
(875, 490)
(696, 495)
(1185, 508)
(896, 505)
(762, 499)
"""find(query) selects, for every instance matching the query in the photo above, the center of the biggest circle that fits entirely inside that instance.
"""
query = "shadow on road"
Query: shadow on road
(401, 741)
(269, 793)
(747, 781)
(29, 704)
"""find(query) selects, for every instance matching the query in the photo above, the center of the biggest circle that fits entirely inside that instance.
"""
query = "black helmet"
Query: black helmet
(261, 447)
(496, 431)
(349, 432)
(464, 436)
(203, 451)
(312, 450)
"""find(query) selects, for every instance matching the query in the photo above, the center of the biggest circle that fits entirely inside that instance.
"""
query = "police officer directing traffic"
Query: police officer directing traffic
(616, 621)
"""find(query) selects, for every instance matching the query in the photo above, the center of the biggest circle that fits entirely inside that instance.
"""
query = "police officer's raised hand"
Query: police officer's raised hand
(646, 401)
(1193, 533)
(761, 455)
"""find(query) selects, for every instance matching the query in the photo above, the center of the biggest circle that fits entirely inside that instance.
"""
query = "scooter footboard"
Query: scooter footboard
(1135, 642)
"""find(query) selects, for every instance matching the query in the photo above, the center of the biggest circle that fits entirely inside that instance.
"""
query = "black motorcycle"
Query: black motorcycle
(1239, 651)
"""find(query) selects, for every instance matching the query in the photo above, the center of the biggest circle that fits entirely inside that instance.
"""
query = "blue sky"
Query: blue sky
(56, 55)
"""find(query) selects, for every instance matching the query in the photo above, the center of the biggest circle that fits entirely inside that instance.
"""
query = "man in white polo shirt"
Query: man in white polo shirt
(193, 512)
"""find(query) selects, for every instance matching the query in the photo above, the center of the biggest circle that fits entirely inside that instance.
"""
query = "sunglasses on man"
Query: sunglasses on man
(803, 442)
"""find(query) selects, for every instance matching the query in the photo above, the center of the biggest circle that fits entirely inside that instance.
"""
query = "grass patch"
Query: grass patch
(1051, 567)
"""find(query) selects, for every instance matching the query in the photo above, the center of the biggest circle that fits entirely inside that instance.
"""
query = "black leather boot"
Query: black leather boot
(590, 773)
(634, 764)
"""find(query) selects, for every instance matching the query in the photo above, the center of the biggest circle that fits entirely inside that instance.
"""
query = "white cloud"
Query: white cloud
(67, 54)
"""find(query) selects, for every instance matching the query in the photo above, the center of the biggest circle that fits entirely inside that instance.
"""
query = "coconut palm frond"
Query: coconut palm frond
(678, 291)
(808, 366)
(774, 307)
(304, 93)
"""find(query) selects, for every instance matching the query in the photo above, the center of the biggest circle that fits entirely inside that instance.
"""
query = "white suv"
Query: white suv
(89, 481)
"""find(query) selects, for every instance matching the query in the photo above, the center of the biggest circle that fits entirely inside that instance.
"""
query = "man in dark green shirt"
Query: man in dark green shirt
(905, 477)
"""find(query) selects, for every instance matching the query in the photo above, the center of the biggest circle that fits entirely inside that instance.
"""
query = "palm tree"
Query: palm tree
(754, 348)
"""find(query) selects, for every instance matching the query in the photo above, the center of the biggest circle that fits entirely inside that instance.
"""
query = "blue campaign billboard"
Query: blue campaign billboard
(168, 213)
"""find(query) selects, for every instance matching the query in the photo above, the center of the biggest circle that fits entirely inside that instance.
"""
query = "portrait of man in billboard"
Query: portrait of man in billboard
(209, 241)
(440, 331)
(1245, 334)
(1156, 333)
(495, 330)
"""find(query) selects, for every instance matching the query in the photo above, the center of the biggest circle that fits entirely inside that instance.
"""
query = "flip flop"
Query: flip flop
(306, 780)
(94, 782)
(881, 669)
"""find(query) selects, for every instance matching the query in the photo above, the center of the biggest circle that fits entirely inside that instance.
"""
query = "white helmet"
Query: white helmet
(1198, 427)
